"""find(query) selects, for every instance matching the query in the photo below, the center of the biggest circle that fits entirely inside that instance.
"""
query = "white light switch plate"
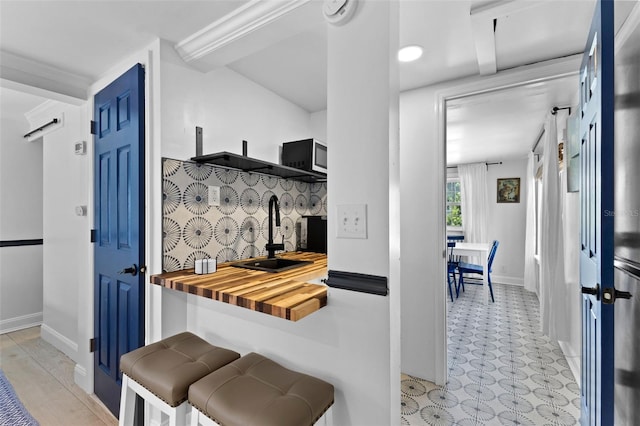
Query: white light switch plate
(352, 221)
(214, 195)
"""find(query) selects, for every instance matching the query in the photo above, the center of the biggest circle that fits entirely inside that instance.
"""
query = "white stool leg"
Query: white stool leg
(198, 418)
(326, 419)
(127, 403)
(195, 416)
(178, 416)
(131, 388)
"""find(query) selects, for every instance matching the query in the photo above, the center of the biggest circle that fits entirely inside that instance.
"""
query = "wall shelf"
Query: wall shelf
(248, 164)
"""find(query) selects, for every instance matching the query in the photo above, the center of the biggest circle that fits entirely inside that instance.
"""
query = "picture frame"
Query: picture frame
(508, 190)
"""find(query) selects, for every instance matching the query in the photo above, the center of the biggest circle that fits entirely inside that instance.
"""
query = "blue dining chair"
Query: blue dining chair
(472, 268)
(451, 269)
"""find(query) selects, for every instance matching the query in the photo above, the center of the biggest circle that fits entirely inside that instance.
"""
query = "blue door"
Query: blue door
(119, 233)
(596, 198)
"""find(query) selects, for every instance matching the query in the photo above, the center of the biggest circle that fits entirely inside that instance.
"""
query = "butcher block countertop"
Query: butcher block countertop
(284, 294)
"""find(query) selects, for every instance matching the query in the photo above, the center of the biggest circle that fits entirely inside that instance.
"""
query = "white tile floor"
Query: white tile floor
(502, 370)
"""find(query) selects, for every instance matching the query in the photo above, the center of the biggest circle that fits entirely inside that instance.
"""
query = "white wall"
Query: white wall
(362, 129)
(507, 223)
(66, 262)
(318, 124)
(422, 194)
(20, 219)
(229, 108)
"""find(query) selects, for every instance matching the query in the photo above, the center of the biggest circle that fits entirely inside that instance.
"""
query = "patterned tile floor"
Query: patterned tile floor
(502, 370)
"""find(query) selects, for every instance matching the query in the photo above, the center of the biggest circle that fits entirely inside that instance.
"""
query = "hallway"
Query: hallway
(502, 370)
(42, 377)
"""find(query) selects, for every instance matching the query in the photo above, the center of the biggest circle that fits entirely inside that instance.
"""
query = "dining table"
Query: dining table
(480, 250)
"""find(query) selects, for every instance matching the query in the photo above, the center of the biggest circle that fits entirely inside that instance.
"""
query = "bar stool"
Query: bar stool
(162, 372)
(255, 390)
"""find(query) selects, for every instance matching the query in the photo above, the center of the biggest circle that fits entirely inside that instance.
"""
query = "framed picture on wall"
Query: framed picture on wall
(509, 190)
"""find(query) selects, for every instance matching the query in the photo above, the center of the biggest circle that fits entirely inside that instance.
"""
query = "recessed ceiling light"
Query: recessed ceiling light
(409, 53)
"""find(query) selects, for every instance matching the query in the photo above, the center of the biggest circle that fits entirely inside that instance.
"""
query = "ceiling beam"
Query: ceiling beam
(483, 23)
(484, 38)
(26, 75)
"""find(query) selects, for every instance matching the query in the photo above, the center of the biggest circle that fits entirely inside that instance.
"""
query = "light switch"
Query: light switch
(214, 195)
(352, 221)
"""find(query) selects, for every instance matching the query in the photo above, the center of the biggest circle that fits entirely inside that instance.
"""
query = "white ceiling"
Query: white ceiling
(509, 120)
(87, 37)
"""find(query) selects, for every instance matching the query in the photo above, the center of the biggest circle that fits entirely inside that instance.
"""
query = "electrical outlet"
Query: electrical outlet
(352, 221)
(214, 195)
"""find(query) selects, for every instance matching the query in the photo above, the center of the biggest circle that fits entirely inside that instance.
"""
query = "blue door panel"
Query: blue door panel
(119, 219)
(596, 227)
(124, 110)
(104, 120)
(125, 316)
(124, 198)
(103, 190)
(103, 314)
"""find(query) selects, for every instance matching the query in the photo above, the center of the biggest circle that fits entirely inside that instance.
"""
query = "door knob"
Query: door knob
(622, 294)
(133, 270)
(594, 291)
(609, 295)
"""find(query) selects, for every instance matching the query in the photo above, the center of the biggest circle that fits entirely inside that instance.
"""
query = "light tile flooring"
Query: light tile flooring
(502, 370)
(42, 377)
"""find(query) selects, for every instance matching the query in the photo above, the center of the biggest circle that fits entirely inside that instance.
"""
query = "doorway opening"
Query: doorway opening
(497, 358)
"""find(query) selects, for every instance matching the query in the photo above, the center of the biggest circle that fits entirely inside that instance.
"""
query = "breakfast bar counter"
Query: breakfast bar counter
(285, 294)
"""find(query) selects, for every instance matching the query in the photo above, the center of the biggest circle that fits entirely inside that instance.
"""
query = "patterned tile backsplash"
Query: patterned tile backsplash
(238, 228)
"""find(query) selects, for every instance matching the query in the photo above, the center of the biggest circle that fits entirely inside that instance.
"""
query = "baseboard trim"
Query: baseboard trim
(61, 342)
(20, 323)
(503, 279)
(572, 359)
(81, 378)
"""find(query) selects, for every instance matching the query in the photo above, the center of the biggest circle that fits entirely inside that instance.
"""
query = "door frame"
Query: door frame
(542, 71)
(149, 58)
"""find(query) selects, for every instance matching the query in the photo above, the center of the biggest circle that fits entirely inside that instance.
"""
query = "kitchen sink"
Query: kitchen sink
(275, 264)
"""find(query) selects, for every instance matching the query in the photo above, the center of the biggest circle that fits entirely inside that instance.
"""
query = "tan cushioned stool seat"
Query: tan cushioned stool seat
(167, 368)
(257, 391)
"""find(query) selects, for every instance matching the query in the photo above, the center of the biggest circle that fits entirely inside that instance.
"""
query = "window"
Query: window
(454, 210)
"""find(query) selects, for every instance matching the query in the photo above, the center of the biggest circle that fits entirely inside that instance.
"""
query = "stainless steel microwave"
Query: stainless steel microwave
(305, 154)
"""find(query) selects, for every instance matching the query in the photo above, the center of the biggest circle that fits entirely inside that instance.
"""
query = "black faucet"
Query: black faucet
(271, 247)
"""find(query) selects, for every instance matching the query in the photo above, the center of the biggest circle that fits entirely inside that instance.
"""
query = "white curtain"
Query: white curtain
(571, 225)
(474, 204)
(530, 231)
(553, 313)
